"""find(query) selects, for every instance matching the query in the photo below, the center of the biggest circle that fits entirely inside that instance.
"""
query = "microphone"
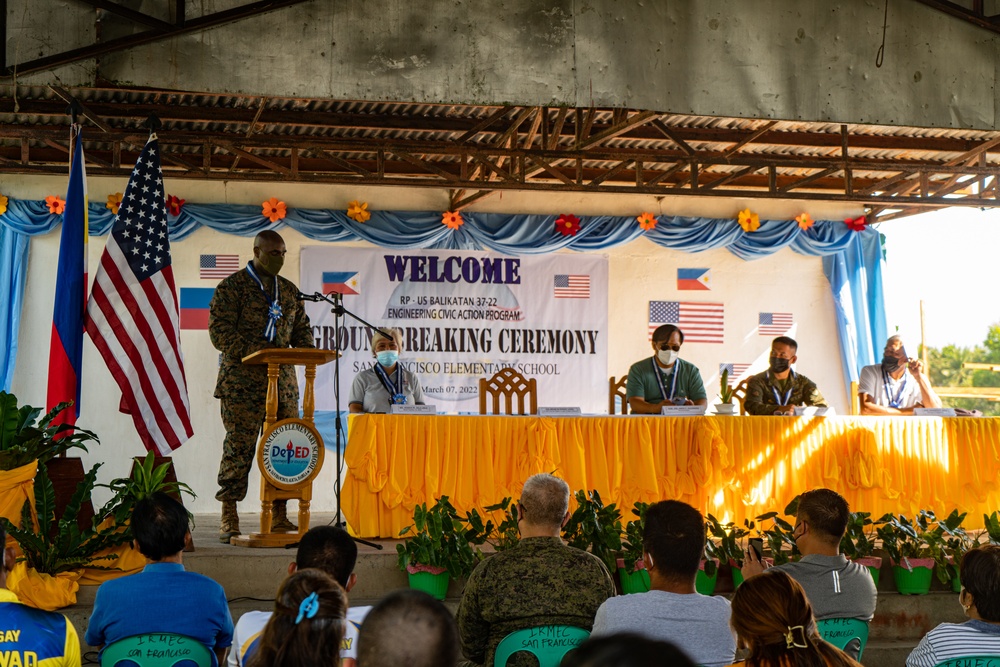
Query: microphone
(308, 297)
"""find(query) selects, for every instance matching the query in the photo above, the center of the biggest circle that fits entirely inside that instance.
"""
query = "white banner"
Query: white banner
(465, 315)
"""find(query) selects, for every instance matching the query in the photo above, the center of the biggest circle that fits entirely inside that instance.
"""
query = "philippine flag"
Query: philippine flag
(694, 279)
(194, 307)
(341, 282)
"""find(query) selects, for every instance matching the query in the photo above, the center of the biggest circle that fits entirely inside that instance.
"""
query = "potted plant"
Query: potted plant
(992, 524)
(505, 534)
(725, 406)
(595, 527)
(858, 543)
(909, 547)
(779, 535)
(954, 541)
(631, 568)
(437, 547)
(731, 544)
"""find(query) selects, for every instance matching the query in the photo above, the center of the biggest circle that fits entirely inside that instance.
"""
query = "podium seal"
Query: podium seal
(291, 453)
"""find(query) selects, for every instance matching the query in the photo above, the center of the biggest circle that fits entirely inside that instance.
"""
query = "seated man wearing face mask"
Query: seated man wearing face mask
(779, 389)
(664, 378)
(895, 386)
(386, 383)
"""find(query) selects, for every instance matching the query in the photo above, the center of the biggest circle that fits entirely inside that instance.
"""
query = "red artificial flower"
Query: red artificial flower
(568, 224)
(174, 205)
(857, 224)
(55, 204)
(647, 221)
(452, 219)
(273, 209)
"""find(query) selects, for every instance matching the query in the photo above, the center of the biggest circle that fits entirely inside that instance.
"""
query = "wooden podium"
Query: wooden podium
(287, 470)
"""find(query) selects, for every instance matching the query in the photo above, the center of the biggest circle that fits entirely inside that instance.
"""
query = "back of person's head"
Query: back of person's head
(330, 549)
(408, 628)
(626, 649)
(159, 526)
(826, 512)
(773, 619)
(674, 538)
(545, 500)
(308, 623)
(980, 574)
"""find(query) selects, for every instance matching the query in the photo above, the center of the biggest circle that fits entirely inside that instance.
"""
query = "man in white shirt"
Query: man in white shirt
(895, 386)
(323, 548)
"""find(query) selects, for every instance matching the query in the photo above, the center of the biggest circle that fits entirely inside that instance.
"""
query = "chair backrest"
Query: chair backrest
(855, 398)
(740, 394)
(840, 631)
(972, 661)
(508, 384)
(157, 650)
(548, 643)
(616, 389)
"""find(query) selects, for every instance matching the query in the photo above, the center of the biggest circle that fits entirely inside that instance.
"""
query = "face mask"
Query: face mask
(890, 364)
(779, 365)
(387, 358)
(271, 264)
(667, 357)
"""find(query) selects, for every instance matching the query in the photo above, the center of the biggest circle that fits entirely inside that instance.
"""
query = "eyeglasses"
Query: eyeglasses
(668, 346)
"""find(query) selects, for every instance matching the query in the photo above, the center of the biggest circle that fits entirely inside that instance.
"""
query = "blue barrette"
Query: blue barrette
(308, 607)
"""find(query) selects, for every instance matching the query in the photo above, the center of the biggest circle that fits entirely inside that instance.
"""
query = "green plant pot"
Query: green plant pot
(634, 582)
(737, 577)
(705, 584)
(435, 585)
(916, 581)
(956, 580)
(874, 566)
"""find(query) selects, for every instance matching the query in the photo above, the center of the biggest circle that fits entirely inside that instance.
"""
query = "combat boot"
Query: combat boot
(230, 525)
(279, 518)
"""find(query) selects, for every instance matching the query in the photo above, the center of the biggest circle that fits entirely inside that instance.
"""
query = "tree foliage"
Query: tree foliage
(946, 371)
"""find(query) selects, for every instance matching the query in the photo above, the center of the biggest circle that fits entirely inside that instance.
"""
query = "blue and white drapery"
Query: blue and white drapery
(852, 260)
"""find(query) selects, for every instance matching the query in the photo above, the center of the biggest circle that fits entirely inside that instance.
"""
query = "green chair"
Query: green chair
(548, 643)
(972, 661)
(840, 631)
(157, 650)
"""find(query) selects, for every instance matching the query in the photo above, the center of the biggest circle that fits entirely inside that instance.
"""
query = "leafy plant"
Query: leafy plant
(859, 540)
(952, 541)
(505, 534)
(725, 391)
(904, 539)
(60, 546)
(596, 527)
(439, 539)
(992, 524)
(145, 481)
(779, 535)
(632, 544)
(23, 441)
(726, 540)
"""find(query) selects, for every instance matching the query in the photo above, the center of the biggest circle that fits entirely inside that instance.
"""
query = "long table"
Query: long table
(733, 467)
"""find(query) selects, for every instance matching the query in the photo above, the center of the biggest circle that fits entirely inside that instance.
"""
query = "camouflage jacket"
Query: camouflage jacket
(236, 321)
(540, 581)
(760, 399)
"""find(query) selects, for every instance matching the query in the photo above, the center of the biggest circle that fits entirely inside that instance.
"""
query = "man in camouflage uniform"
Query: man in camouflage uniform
(541, 581)
(239, 317)
(779, 389)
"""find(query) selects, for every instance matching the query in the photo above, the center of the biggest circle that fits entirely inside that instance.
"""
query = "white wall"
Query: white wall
(639, 272)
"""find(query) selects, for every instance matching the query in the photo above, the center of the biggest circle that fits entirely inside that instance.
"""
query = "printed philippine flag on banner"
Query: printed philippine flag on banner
(700, 322)
(571, 287)
(774, 324)
(218, 266)
(736, 371)
(194, 307)
(694, 279)
(341, 282)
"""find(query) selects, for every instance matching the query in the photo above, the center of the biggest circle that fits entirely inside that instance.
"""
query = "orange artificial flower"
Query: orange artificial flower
(805, 222)
(452, 220)
(3, 204)
(55, 204)
(750, 222)
(568, 224)
(114, 202)
(358, 211)
(857, 224)
(273, 209)
(175, 204)
(647, 221)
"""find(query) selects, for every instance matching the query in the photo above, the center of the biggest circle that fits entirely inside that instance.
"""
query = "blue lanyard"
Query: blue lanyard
(788, 394)
(659, 380)
(893, 402)
(274, 308)
(395, 395)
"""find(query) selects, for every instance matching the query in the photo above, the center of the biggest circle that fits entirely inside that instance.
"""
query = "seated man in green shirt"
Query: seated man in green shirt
(779, 389)
(664, 378)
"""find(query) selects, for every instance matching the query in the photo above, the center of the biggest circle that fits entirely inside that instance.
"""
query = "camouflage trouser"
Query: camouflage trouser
(243, 420)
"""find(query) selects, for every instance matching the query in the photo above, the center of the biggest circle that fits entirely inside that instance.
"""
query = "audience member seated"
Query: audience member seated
(980, 598)
(33, 636)
(408, 629)
(307, 626)
(774, 621)
(664, 379)
(626, 649)
(779, 389)
(541, 581)
(324, 548)
(895, 386)
(837, 587)
(163, 597)
(673, 543)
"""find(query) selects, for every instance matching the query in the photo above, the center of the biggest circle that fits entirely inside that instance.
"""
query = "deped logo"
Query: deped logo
(290, 453)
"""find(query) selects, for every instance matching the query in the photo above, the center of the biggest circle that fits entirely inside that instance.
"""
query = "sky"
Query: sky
(950, 259)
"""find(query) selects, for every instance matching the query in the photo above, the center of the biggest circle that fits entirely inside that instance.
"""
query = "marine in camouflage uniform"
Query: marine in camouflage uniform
(760, 398)
(238, 316)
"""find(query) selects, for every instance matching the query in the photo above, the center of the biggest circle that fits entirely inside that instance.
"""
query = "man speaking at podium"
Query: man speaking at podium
(252, 310)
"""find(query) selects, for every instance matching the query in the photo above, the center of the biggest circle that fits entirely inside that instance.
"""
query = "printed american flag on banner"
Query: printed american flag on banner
(132, 312)
(218, 266)
(774, 324)
(736, 371)
(571, 287)
(700, 322)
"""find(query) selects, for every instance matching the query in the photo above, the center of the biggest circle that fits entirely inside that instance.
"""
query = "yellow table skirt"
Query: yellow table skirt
(733, 467)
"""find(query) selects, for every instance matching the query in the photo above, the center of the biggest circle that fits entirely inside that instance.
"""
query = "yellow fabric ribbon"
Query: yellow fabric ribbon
(43, 591)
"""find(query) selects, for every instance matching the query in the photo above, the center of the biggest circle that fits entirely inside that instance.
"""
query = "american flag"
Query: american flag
(773, 324)
(132, 312)
(571, 287)
(736, 371)
(700, 322)
(218, 266)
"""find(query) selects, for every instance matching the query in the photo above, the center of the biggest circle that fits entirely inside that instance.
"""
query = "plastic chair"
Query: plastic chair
(840, 631)
(548, 643)
(509, 384)
(616, 390)
(156, 650)
(972, 661)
